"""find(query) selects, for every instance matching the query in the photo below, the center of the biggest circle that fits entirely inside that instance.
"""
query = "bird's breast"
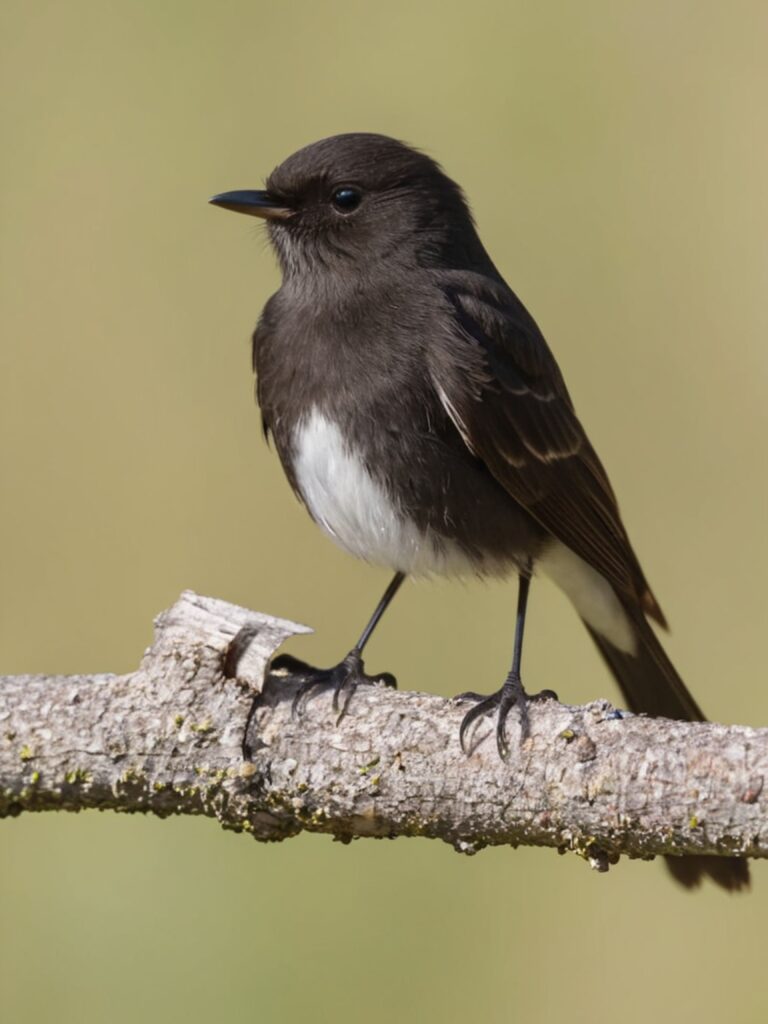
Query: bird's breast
(358, 509)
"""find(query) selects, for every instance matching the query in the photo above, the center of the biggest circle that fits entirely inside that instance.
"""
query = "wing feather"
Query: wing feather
(500, 385)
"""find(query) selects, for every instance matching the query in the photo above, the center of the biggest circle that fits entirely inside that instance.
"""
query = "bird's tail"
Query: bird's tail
(650, 684)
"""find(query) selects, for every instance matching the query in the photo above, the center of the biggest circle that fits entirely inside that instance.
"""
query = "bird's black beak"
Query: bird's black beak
(257, 204)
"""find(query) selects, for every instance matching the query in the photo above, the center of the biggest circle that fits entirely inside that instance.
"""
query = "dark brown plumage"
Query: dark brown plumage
(421, 416)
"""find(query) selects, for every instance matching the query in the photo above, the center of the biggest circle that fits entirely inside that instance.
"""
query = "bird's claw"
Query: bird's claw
(510, 695)
(343, 679)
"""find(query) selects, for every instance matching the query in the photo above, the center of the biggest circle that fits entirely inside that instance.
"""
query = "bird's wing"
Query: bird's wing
(501, 387)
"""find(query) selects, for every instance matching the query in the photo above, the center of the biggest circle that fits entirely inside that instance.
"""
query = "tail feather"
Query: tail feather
(648, 679)
(650, 684)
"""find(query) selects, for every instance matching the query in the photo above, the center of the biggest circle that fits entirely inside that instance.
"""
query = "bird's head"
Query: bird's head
(354, 204)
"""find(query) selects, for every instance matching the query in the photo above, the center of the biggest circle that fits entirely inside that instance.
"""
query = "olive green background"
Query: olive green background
(616, 157)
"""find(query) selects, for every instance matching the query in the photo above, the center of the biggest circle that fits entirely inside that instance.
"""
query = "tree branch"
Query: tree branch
(168, 738)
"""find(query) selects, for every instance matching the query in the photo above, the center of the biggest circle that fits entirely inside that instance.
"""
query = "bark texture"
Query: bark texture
(168, 739)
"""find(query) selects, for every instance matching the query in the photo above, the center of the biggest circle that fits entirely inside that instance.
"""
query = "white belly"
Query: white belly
(360, 516)
(357, 512)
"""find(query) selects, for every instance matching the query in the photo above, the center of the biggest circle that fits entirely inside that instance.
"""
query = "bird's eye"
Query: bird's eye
(346, 199)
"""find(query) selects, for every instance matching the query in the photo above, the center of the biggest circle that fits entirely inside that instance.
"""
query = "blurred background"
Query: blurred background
(616, 156)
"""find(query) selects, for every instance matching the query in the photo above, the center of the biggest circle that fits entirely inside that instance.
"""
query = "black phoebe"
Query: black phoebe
(422, 419)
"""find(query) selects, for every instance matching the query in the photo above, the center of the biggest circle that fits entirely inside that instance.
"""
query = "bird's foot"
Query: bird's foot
(342, 680)
(512, 694)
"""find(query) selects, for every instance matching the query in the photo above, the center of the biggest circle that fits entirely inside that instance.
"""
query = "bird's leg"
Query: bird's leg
(512, 692)
(344, 678)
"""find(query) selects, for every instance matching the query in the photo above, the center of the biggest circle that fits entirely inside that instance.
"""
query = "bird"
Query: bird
(422, 419)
